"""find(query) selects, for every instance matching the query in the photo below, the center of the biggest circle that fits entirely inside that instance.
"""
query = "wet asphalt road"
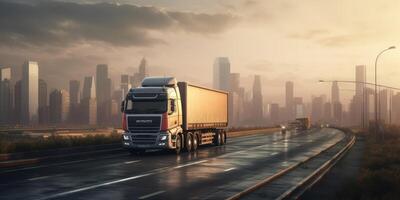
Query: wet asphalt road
(210, 173)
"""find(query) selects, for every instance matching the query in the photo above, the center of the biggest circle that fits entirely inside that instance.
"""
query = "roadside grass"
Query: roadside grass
(16, 141)
(11, 143)
(379, 177)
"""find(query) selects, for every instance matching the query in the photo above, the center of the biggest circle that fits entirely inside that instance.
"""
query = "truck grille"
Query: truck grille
(144, 139)
(144, 124)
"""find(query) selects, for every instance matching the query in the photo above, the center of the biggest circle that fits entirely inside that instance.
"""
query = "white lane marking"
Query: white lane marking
(193, 163)
(39, 178)
(133, 161)
(116, 181)
(96, 186)
(59, 164)
(152, 194)
(229, 169)
(274, 153)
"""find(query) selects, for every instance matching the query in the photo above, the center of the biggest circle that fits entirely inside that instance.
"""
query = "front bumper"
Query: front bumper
(132, 141)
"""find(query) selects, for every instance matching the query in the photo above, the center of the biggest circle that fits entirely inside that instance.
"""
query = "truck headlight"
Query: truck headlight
(126, 137)
(164, 137)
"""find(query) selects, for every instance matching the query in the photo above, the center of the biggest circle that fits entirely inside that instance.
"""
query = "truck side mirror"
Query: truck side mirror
(122, 106)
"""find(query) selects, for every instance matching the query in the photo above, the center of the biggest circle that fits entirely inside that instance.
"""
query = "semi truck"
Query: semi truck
(165, 114)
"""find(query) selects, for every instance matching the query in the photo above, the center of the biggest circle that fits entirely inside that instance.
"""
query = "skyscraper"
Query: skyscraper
(299, 109)
(30, 93)
(89, 102)
(74, 92)
(125, 85)
(360, 108)
(43, 106)
(234, 82)
(221, 75)
(235, 100)
(383, 106)
(103, 94)
(335, 92)
(289, 105)
(138, 77)
(336, 105)
(257, 100)
(142, 68)
(317, 109)
(5, 95)
(59, 106)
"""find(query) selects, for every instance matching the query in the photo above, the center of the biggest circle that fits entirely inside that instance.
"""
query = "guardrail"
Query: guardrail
(306, 183)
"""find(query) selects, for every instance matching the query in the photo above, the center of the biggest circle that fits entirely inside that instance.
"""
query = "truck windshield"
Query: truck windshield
(146, 106)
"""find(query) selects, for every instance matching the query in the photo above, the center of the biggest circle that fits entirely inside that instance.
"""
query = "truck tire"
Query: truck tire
(223, 137)
(195, 142)
(189, 142)
(178, 144)
(218, 138)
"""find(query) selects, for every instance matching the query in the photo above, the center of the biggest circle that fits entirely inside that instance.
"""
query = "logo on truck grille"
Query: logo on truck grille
(144, 121)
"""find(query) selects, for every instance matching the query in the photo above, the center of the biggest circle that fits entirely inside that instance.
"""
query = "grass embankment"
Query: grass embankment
(10, 143)
(379, 176)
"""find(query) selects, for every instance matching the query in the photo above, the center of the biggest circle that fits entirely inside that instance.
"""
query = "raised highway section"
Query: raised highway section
(263, 166)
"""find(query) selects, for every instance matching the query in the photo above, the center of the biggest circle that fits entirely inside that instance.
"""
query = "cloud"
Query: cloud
(61, 24)
(329, 38)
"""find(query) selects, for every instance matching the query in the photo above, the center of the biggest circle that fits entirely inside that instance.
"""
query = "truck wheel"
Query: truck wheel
(223, 137)
(195, 142)
(188, 143)
(218, 138)
(178, 144)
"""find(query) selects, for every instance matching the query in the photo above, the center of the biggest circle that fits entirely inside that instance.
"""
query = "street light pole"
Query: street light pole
(376, 91)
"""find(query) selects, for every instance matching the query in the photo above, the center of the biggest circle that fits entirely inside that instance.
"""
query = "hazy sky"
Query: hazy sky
(281, 40)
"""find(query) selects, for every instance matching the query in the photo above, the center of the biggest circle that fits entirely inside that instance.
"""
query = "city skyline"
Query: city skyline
(256, 38)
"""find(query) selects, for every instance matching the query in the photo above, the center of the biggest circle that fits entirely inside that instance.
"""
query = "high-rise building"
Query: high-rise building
(335, 92)
(337, 113)
(360, 98)
(234, 82)
(116, 107)
(17, 102)
(383, 106)
(327, 112)
(138, 77)
(142, 68)
(257, 100)
(89, 102)
(125, 85)
(317, 109)
(43, 105)
(235, 101)
(30, 93)
(103, 94)
(59, 106)
(5, 95)
(221, 75)
(299, 108)
(74, 93)
(289, 104)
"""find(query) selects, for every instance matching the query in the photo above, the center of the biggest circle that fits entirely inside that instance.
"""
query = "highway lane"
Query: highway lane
(212, 172)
